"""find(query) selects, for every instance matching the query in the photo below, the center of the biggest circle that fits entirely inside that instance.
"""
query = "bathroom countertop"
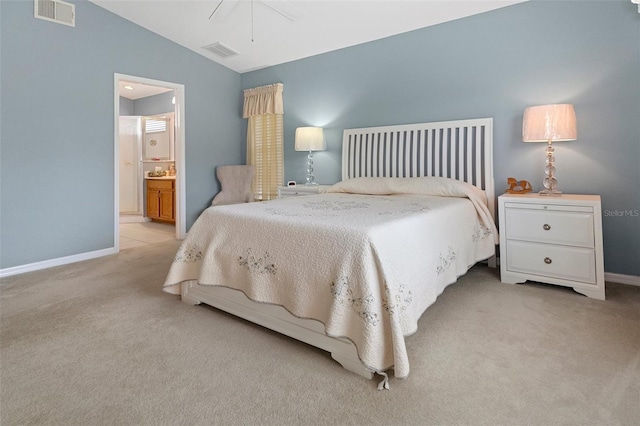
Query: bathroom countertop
(160, 177)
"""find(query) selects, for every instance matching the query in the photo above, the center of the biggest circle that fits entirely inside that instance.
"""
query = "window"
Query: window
(265, 151)
(265, 140)
(154, 126)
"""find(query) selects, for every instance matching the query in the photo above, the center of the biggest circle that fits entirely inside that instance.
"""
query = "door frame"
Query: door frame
(179, 152)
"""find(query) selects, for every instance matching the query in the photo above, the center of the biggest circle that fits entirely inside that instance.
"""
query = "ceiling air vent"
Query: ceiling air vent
(221, 50)
(56, 11)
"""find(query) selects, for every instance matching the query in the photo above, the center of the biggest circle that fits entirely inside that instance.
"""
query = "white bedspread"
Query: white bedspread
(366, 266)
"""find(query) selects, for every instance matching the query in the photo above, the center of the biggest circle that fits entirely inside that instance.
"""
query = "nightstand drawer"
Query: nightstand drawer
(573, 228)
(569, 263)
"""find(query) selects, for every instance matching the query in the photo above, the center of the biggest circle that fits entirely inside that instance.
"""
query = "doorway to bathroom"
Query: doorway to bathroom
(149, 160)
(147, 146)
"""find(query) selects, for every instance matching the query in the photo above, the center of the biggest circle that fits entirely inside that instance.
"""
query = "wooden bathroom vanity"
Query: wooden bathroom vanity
(161, 199)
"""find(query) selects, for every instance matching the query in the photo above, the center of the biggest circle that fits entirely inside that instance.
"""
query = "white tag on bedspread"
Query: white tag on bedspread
(384, 384)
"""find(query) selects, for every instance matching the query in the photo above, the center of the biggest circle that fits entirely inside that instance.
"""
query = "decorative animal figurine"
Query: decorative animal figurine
(518, 186)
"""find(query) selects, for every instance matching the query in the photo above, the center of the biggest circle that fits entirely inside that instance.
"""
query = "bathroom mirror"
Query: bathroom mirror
(157, 139)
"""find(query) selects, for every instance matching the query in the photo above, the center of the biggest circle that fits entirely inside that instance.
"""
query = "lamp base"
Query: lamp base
(550, 183)
(550, 192)
(310, 179)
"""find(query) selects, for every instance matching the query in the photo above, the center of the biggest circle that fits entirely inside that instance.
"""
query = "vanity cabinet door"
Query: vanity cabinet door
(153, 207)
(160, 200)
(166, 205)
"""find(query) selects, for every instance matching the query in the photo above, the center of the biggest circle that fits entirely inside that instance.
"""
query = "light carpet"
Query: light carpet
(99, 343)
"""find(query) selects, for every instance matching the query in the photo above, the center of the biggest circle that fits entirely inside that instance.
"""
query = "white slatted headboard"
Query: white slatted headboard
(461, 149)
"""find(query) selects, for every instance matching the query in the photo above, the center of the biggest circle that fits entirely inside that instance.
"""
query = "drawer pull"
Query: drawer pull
(546, 227)
(547, 260)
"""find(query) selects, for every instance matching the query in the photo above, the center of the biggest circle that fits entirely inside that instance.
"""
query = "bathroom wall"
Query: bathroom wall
(159, 106)
(126, 106)
(151, 105)
(154, 105)
(148, 165)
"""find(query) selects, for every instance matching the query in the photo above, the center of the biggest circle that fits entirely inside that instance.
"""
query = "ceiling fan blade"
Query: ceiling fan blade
(224, 9)
(216, 9)
(284, 8)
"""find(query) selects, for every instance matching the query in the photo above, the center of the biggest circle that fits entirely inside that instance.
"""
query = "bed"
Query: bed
(352, 269)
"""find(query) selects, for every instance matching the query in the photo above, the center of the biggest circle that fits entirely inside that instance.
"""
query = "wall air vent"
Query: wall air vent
(56, 11)
(221, 50)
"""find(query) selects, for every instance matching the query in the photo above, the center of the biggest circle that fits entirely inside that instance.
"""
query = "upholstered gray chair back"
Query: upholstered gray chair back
(235, 184)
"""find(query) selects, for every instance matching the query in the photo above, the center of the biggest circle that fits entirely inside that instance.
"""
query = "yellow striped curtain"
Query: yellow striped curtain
(263, 106)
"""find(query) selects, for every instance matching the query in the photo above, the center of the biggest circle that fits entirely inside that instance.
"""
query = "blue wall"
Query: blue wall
(57, 135)
(126, 106)
(153, 105)
(56, 110)
(493, 65)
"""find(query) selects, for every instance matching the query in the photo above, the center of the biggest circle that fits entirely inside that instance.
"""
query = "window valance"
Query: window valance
(263, 100)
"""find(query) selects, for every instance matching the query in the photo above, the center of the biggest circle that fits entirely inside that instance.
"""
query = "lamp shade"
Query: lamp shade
(546, 123)
(310, 139)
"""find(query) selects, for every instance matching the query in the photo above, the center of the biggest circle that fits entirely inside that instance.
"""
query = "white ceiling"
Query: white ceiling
(133, 91)
(310, 27)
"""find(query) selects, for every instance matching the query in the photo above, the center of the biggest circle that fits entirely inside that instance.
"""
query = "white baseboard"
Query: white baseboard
(622, 279)
(15, 270)
(134, 219)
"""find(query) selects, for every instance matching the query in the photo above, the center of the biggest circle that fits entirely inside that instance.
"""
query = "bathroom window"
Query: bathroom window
(154, 126)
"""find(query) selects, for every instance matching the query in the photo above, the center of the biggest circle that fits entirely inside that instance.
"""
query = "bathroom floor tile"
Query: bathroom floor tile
(138, 234)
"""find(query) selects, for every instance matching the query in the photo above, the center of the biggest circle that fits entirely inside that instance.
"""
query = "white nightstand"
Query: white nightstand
(299, 190)
(554, 240)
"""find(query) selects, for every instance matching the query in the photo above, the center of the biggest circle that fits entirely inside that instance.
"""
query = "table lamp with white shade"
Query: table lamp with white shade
(549, 123)
(310, 139)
